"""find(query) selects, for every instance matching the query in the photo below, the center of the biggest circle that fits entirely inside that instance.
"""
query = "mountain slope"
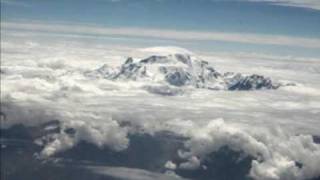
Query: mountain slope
(181, 70)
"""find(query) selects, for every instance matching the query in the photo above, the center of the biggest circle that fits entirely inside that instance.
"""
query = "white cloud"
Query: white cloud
(131, 173)
(170, 165)
(310, 4)
(105, 133)
(15, 3)
(276, 152)
(193, 163)
(168, 34)
(43, 80)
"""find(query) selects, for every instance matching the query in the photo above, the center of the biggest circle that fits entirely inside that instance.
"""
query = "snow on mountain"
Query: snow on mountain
(180, 69)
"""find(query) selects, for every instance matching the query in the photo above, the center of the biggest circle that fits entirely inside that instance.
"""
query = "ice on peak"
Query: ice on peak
(177, 70)
(165, 50)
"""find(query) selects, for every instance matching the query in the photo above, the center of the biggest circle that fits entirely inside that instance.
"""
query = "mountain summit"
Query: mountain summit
(182, 70)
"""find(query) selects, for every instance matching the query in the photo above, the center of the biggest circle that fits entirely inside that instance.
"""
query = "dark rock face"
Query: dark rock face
(181, 70)
(178, 77)
(251, 82)
(154, 59)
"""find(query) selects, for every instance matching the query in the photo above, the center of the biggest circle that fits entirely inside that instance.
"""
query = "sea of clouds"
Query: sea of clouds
(43, 79)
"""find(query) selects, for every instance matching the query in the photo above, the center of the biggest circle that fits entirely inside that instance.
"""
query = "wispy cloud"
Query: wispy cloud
(310, 4)
(15, 3)
(249, 38)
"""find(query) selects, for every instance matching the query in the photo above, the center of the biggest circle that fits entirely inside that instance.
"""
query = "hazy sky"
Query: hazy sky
(282, 27)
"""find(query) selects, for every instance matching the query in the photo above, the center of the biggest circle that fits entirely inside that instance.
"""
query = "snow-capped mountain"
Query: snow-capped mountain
(173, 71)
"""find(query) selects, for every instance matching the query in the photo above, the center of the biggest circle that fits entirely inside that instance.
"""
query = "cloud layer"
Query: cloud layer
(274, 158)
(167, 34)
(43, 80)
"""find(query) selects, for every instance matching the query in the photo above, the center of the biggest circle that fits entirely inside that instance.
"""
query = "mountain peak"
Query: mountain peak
(180, 69)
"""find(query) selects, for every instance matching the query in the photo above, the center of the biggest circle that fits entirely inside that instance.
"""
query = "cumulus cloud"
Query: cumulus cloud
(170, 165)
(192, 163)
(276, 153)
(107, 133)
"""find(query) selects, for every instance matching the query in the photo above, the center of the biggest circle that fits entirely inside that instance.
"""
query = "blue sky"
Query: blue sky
(295, 19)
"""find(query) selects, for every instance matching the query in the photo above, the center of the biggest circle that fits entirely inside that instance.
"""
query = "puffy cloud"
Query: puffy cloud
(107, 133)
(170, 165)
(277, 155)
(192, 163)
